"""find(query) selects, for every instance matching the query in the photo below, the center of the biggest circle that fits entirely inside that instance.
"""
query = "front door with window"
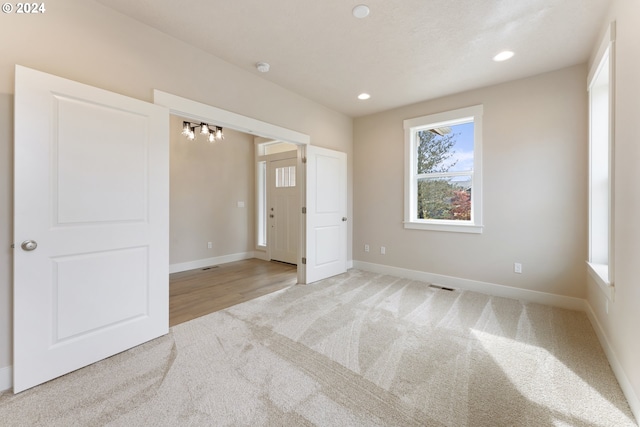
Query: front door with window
(283, 205)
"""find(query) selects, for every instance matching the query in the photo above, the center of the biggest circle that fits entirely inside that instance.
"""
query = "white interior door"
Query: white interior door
(283, 210)
(92, 190)
(326, 202)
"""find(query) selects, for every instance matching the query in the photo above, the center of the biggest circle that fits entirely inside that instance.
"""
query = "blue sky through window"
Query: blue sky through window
(463, 148)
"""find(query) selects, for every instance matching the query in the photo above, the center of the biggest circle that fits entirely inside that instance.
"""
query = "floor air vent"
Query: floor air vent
(440, 287)
(209, 268)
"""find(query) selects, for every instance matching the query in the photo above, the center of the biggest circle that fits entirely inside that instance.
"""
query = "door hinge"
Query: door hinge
(304, 210)
(304, 160)
(304, 260)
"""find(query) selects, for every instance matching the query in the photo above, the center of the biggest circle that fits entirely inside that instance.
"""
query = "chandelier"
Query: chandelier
(212, 133)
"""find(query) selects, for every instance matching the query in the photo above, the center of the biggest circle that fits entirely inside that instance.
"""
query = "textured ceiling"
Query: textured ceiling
(406, 51)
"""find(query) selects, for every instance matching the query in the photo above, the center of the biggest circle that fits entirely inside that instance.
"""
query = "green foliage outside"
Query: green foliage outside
(440, 198)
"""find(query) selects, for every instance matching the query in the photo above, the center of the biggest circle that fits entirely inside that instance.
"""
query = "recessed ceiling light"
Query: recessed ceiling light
(361, 11)
(364, 96)
(503, 56)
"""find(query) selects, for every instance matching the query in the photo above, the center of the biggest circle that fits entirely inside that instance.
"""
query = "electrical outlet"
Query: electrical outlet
(209, 245)
(366, 248)
(240, 204)
(517, 267)
(383, 250)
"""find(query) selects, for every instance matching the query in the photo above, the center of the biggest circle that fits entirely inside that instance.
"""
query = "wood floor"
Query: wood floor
(195, 293)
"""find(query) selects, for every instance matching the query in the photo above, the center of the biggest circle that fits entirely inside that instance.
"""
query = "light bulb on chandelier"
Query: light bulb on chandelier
(186, 128)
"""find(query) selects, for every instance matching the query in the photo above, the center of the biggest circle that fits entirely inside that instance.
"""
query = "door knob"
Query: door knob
(344, 218)
(271, 216)
(29, 245)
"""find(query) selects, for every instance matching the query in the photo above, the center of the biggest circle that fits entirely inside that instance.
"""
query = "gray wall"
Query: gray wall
(207, 182)
(535, 188)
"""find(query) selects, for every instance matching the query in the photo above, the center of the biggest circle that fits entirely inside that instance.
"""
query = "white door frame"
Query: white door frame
(200, 112)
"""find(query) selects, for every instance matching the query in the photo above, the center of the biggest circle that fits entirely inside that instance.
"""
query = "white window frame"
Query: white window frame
(601, 125)
(447, 118)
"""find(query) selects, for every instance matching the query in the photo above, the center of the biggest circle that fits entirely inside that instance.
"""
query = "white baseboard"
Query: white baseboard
(561, 301)
(6, 378)
(201, 263)
(623, 380)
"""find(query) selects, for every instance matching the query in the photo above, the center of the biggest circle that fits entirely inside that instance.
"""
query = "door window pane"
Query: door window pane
(286, 176)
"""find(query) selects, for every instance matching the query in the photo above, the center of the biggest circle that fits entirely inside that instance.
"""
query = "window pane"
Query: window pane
(286, 176)
(444, 198)
(599, 172)
(292, 176)
(262, 203)
(445, 149)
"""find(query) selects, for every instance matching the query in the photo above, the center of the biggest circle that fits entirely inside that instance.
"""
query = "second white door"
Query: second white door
(326, 218)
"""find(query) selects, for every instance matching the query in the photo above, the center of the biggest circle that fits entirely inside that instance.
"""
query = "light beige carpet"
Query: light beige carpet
(359, 349)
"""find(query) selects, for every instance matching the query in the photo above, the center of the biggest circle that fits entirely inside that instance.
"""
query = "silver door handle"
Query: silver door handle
(29, 245)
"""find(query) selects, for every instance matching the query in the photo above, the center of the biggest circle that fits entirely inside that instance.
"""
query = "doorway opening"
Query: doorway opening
(199, 112)
(323, 191)
(220, 233)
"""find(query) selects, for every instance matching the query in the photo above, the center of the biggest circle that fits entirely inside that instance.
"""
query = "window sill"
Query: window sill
(600, 274)
(448, 227)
